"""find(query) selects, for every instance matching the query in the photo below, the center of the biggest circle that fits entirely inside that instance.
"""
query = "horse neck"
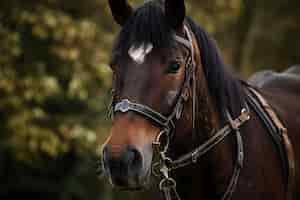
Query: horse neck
(214, 169)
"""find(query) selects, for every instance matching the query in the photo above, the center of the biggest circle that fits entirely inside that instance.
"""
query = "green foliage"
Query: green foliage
(53, 86)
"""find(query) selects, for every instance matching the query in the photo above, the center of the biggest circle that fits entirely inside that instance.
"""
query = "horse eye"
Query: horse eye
(173, 67)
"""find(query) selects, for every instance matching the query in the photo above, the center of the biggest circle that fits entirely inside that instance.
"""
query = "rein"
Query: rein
(165, 164)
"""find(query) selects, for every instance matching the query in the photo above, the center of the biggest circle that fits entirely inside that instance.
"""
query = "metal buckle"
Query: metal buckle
(245, 116)
(156, 169)
(236, 123)
(123, 106)
(194, 157)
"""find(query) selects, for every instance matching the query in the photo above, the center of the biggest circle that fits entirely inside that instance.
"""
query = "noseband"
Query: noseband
(167, 126)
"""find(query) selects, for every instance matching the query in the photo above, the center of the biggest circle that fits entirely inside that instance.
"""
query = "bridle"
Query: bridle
(165, 164)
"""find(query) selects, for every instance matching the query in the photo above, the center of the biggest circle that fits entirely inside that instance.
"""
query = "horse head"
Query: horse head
(153, 63)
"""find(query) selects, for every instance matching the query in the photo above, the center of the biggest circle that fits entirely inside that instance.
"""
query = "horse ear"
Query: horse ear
(120, 10)
(175, 13)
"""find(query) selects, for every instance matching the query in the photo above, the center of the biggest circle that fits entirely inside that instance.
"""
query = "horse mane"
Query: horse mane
(148, 25)
(225, 89)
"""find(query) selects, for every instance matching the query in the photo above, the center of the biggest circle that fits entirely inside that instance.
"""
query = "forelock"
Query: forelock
(146, 26)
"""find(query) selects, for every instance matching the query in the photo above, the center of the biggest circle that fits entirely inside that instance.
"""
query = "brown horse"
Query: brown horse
(171, 89)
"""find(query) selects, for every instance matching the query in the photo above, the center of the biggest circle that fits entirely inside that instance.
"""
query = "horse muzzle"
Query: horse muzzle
(126, 168)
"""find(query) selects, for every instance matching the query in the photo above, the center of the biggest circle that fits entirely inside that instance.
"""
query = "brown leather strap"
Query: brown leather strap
(287, 143)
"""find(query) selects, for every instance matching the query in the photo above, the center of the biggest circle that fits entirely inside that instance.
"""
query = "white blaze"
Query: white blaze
(138, 53)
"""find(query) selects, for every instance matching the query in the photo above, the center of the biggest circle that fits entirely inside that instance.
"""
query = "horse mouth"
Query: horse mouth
(132, 183)
(130, 188)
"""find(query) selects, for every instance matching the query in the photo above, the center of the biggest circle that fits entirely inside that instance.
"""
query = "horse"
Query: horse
(179, 115)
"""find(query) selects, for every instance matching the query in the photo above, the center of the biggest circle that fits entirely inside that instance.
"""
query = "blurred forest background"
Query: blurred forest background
(54, 83)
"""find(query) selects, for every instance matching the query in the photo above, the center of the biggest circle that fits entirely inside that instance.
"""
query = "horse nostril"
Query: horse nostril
(126, 163)
(134, 159)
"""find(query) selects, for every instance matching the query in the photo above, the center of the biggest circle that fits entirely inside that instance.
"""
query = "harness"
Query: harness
(278, 133)
(165, 165)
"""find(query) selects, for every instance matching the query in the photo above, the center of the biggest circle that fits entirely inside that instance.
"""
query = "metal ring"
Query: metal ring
(156, 169)
(167, 183)
(157, 142)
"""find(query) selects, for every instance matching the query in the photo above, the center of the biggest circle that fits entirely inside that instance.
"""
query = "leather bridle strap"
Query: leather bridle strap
(239, 162)
(183, 41)
(192, 157)
(125, 105)
(218, 137)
